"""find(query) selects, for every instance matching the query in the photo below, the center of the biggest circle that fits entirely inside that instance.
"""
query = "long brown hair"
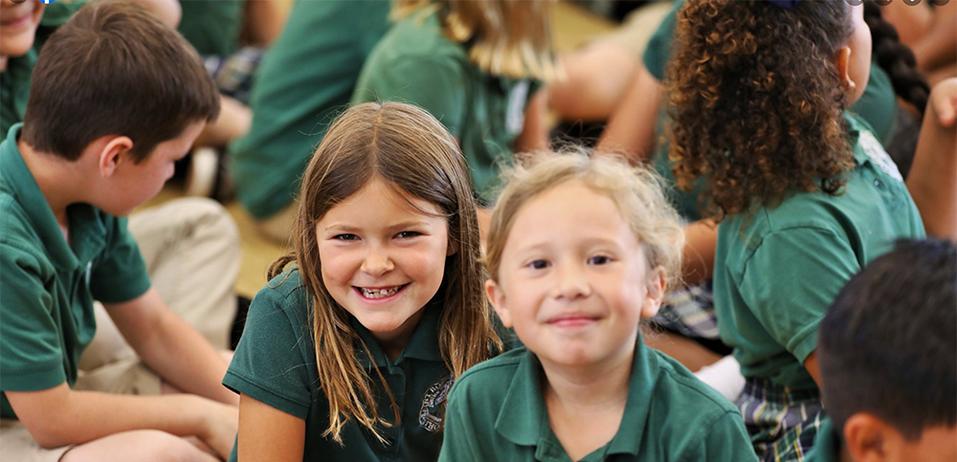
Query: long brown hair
(511, 38)
(410, 149)
(756, 102)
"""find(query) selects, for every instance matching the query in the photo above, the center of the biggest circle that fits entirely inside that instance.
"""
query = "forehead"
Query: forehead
(379, 202)
(568, 211)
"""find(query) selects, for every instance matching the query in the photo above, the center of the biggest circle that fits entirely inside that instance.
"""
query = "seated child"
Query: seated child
(579, 251)
(116, 98)
(888, 353)
(349, 354)
(190, 245)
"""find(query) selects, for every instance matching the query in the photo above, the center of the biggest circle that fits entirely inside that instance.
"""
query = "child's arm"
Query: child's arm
(171, 347)
(60, 416)
(631, 128)
(268, 434)
(932, 180)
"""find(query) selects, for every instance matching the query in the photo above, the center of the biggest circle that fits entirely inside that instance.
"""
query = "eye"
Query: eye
(599, 260)
(408, 234)
(538, 264)
(345, 237)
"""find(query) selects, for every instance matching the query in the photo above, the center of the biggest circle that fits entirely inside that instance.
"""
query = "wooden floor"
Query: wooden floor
(573, 26)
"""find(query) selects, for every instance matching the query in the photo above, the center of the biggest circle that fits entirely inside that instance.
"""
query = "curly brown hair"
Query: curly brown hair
(756, 102)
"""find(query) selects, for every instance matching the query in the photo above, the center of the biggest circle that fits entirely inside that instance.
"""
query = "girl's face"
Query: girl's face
(859, 67)
(383, 260)
(574, 280)
(18, 25)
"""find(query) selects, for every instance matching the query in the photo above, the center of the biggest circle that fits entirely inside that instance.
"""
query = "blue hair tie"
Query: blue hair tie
(786, 4)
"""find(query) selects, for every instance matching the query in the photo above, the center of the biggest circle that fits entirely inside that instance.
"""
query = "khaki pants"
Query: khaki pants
(127, 376)
(191, 249)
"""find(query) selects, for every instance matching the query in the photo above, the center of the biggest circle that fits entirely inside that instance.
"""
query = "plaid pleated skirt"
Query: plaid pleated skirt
(782, 422)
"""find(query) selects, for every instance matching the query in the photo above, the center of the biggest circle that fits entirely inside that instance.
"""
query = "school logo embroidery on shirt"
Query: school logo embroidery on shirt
(515, 117)
(429, 414)
(878, 155)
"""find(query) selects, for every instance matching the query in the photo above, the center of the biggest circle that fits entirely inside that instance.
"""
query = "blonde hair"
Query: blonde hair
(636, 191)
(511, 38)
(411, 150)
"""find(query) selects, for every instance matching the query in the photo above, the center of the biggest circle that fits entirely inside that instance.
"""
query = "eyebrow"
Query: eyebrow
(352, 229)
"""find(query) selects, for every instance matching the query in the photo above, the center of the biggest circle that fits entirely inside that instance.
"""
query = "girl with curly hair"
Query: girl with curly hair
(805, 192)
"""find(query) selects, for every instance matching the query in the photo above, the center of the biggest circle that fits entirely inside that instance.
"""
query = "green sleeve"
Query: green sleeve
(31, 357)
(658, 51)
(270, 364)
(791, 279)
(119, 274)
(725, 440)
(434, 84)
(457, 440)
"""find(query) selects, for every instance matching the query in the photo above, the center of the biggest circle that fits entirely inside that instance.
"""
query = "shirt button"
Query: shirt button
(878, 183)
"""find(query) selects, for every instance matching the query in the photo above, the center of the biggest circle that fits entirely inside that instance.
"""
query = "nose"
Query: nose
(572, 282)
(377, 262)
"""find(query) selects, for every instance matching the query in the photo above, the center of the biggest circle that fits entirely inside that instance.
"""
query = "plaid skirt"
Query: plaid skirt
(782, 422)
(689, 312)
(234, 74)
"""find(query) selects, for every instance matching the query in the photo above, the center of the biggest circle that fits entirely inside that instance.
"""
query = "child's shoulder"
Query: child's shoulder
(677, 390)
(419, 35)
(492, 376)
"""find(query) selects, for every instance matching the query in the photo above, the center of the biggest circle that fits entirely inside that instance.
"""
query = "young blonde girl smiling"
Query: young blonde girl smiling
(579, 251)
(349, 354)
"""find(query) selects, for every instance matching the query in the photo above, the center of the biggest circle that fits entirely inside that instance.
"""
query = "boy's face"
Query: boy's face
(132, 183)
(573, 280)
(18, 26)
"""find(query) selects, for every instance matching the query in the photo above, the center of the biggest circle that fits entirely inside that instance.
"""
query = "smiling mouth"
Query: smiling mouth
(572, 320)
(379, 293)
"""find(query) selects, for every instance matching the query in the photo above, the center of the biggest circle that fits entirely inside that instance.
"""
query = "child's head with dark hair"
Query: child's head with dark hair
(757, 92)
(114, 69)
(888, 355)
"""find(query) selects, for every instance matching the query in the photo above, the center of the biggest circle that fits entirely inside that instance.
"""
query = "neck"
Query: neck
(60, 180)
(3, 63)
(596, 387)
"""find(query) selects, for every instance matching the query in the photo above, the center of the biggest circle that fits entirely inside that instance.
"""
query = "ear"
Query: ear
(111, 151)
(654, 292)
(842, 62)
(497, 298)
(870, 439)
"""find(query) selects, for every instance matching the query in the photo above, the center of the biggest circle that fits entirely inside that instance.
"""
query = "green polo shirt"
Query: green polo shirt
(496, 412)
(275, 363)
(878, 106)
(779, 268)
(416, 63)
(15, 89)
(827, 444)
(304, 80)
(47, 285)
(212, 26)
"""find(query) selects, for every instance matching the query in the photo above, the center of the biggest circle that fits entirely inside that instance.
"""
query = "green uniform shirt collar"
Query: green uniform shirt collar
(523, 418)
(86, 231)
(855, 126)
(424, 343)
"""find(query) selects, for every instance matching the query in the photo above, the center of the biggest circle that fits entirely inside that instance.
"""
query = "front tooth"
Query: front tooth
(379, 293)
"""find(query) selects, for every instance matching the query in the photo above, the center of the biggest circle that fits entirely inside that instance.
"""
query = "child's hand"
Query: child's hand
(220, 427)
(943, 102)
